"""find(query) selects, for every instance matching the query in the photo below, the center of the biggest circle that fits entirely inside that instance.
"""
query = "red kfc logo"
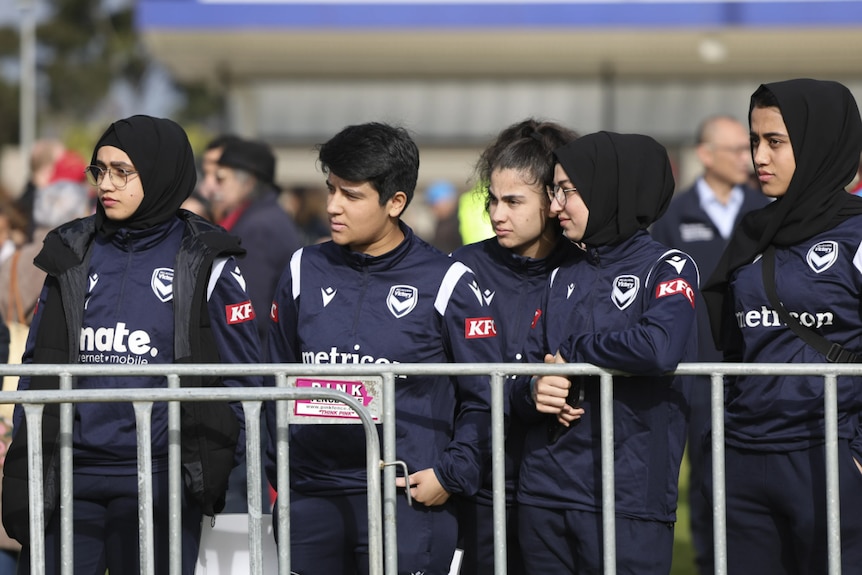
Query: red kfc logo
(239, 312)
(676, 286)
(476, 327)
(273, 312)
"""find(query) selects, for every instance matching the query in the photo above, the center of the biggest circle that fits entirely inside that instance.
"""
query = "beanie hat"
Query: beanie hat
(255, 158)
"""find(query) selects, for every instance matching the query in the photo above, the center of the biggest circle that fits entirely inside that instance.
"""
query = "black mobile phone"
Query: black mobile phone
(575, 399)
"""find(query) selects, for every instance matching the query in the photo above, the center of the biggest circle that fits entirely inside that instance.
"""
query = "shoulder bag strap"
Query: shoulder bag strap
(834, 353)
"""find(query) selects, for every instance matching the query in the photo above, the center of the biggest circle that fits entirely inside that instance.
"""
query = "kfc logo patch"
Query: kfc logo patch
(273, 312)
(401, 300)
(821, 256)
(625, 291)
(478, 327)
(239, 312)
(673, 287)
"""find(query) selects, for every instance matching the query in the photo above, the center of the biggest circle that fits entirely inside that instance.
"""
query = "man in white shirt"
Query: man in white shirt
(699, 221)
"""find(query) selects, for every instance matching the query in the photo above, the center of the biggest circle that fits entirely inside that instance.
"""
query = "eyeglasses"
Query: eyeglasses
(559, 193)
(119, 176)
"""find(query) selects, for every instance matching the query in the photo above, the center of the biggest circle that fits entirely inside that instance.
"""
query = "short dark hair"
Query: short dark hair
(385, 156)
(527, 147)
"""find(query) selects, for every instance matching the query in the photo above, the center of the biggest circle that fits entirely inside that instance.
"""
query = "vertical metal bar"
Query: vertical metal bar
(390, 519)
(375, 506)
(175, 482)
(33, 413)
(498, 471)
(833, 506)
(67, 416)
(282, 479)
(608, 489)
(719, 489)
(143, 421)
(252, 457)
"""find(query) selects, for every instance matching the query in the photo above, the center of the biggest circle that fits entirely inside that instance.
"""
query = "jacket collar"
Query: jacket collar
(385, 261)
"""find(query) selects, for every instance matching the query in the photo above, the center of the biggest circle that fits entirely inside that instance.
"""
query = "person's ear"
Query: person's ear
(396, 204)
(704, 154)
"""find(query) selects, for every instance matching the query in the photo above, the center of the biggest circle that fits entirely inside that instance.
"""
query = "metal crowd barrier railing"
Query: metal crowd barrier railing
(383, 557)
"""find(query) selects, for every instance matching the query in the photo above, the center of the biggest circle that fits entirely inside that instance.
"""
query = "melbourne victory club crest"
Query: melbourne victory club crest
(162, 283)
(821, 256)
(625, 290)
(401, 300)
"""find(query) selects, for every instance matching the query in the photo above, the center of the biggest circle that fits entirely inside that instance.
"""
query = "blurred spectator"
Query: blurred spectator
(700, 221)
(247, 198)
(7, 244)
(43, 156)
(442, 197)
(308, 208)
(201, 201)
(56, 203)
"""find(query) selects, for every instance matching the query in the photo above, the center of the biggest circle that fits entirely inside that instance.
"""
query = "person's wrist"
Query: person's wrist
(533, 381)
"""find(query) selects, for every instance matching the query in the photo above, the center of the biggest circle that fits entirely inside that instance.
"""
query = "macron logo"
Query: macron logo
(239, 312)
(327, 294)
(478, 327)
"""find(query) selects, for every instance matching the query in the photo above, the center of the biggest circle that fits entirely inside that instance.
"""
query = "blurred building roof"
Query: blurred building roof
(283, 38)
(455, 72)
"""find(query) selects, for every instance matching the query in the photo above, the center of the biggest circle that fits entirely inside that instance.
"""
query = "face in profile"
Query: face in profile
(518, 210)
(232, 189)
(358, 221)
(772, 152)
(568, 206)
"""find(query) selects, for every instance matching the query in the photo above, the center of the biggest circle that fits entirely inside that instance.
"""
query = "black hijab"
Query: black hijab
(825, 131)
(162, 155)
(625, 181)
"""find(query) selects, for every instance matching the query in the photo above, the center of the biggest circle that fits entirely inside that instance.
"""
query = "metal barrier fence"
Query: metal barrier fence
(383, 558)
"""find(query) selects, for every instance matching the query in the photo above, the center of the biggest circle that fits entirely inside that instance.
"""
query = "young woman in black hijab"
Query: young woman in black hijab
(628, 304)
(139, 282)
(806, 137)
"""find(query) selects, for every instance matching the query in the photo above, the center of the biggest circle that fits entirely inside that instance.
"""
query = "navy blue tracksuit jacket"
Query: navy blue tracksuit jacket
(629, 307)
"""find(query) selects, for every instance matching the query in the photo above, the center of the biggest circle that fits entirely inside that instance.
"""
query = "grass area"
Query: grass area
(683, 551)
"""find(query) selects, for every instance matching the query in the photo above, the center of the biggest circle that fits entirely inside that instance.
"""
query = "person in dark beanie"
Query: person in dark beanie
(139, 282)
(248, 197)
(202, 198)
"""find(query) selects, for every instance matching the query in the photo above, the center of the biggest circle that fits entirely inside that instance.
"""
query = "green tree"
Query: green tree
(9, 104)
(82, 50)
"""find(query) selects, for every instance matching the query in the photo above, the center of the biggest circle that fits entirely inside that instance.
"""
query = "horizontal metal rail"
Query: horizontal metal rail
(251, 399)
